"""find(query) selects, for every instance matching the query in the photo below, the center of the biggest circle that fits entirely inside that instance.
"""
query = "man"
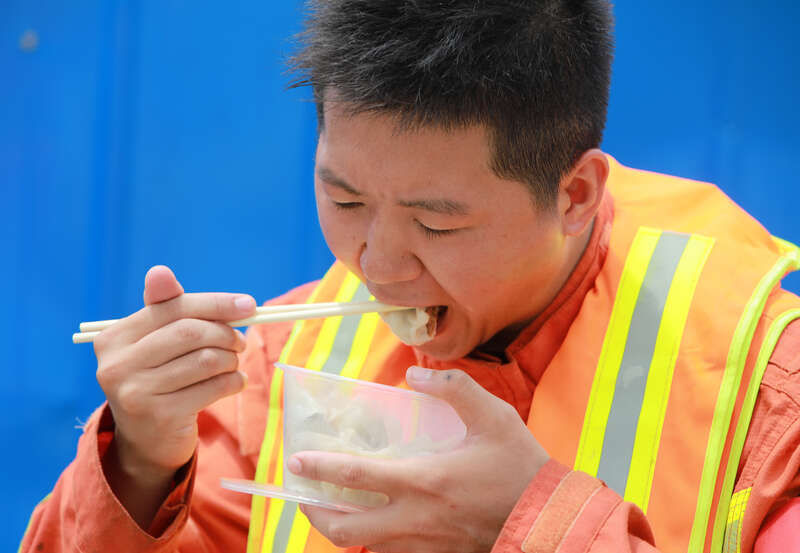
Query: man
(596, 324)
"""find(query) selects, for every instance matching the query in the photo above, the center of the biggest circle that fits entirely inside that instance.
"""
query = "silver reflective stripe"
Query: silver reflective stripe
(340, 351)
(632, 378)
(343, 342)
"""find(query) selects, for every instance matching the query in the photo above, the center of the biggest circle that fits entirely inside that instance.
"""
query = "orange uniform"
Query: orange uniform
(561, 510)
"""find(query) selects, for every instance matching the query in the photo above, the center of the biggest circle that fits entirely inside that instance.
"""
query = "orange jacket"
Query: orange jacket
(82, 513)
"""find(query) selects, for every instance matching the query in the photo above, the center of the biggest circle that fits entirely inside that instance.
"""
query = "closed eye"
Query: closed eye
(435, 233)
(347, 205)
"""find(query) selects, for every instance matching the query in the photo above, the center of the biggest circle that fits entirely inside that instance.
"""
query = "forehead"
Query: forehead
(366, 146)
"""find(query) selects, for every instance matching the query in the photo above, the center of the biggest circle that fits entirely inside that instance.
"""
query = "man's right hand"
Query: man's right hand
(158, 368)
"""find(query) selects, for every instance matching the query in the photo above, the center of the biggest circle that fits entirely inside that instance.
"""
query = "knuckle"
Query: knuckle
(107, 373)
(208, 360)
(351, 475)
(129, 399)
(339, 535)
(225, 384)
(188, 332)
(222, 305)
(427, 526)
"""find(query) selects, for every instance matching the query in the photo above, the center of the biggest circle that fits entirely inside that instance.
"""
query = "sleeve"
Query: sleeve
(569, 511)
(83, 514)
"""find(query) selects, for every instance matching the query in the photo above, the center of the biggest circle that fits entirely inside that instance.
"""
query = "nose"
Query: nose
(385, 257)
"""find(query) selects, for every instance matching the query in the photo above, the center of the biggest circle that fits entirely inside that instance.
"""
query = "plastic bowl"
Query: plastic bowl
(327, 412)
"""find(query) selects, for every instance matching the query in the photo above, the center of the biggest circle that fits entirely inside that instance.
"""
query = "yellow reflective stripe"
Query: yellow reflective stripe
(786, 246)
(590, 446)
(659, 379)
(363, 338)
(330, 326)
(768, 346)
(731, 380)
(352, 369)
(259, 502)
(319, 354)
(275, 507)
(733, 526)
(300, 529)
(30, 520)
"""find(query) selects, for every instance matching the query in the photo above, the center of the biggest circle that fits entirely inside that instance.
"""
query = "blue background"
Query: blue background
(138, 133)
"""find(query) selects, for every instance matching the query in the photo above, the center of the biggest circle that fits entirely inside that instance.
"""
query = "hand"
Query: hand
(158, 368)
(453, 501)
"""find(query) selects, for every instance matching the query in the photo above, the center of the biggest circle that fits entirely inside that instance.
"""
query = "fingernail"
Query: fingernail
(245, 378)
(245, 303)
(419, 373)
(240, 335)
(294, 465)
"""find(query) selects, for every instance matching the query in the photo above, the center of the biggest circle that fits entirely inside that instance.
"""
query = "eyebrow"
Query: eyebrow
(436, 205)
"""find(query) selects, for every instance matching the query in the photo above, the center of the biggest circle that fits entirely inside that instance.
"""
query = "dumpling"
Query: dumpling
(413, 326)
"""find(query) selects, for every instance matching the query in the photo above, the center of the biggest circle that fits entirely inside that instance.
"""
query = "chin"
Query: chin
(443, 351)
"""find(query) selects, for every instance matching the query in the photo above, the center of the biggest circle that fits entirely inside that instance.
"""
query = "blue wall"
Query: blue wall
(138, 133)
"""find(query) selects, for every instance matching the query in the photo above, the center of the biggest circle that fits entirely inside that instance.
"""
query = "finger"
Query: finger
(350, 471)
(184, 336)
(215, 306)
(196, 397)
(191, 368)
(160, 285)
(478, 409)
(348, 529)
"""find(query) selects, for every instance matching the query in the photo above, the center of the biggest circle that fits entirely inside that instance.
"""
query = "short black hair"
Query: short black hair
(535, 74)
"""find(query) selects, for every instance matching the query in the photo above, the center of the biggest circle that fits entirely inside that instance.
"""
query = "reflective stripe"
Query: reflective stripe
(326, 339)
(319, 355)
(345, 338)
(627, 404)
(363, 333)
(723, 410)
(662, 367)
(590, 445)
(338, 340)
(639, 346)
(767, 347)
(785, 246)
(258, 502)
(733, 527)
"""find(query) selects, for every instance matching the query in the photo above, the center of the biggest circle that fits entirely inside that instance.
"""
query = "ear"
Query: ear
(581, 191)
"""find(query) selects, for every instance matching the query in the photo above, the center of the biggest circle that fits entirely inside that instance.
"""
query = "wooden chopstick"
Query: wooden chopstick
(267, 314)
(93, 326)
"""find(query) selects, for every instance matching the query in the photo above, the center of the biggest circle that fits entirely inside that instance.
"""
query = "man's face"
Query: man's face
(422, 220)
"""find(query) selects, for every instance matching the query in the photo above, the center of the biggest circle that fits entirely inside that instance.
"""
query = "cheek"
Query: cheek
(340, 234)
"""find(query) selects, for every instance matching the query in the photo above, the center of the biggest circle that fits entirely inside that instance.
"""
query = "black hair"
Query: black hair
(534, 73)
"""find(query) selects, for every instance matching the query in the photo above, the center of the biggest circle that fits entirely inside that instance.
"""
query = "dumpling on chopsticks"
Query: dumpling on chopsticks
(413, 326)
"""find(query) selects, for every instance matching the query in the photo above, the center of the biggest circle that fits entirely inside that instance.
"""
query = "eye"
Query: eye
(435, 233)
(346, 205)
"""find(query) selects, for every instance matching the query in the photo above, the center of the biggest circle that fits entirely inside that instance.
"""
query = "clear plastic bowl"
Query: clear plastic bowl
(326, 412)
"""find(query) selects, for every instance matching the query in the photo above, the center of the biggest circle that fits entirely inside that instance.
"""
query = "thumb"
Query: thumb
(160, 285)
(477, 408)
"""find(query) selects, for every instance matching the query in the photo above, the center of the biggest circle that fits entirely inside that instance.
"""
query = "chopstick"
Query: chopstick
(267, 314)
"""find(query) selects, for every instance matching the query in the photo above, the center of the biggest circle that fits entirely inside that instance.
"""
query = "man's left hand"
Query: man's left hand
(446, 502)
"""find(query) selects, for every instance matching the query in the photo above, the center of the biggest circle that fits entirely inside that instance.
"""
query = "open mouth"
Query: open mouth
(435, 314)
